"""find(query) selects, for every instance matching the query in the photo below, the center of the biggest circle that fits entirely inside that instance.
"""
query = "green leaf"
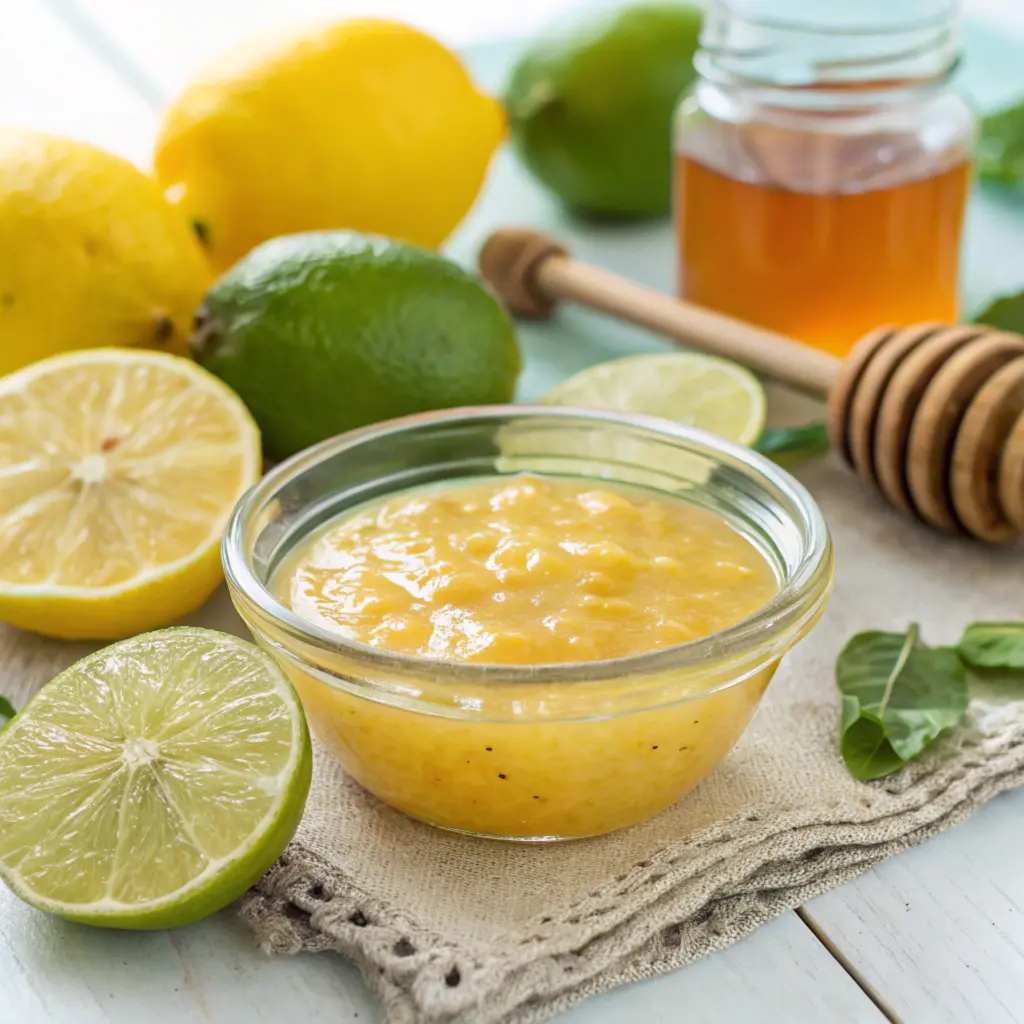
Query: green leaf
(898, 696)
(1000, 152)
(788, 445)
(993, 645)
(1006, 313)
(7, 711)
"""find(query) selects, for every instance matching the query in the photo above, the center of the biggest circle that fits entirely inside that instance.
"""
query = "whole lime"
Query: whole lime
(590, 106)
(323, 332)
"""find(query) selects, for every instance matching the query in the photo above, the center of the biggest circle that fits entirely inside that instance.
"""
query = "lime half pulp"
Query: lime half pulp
(688, 388)
(153, 782)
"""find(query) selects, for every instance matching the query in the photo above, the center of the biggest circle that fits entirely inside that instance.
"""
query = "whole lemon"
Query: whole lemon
(90, 253)
(365, 124)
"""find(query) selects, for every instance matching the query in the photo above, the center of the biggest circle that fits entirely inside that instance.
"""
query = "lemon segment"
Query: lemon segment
(688, 388)
(118, 471)
(153, 782)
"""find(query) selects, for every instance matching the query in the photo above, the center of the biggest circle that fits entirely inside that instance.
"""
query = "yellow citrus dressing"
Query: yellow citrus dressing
(529, 571)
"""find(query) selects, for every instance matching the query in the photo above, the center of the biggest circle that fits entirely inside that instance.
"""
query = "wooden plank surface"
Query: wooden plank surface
(52, 972)
(57, 73)
(753, 982)
(50, 81)
(163, 45)
(937, 932)
(57, 973)
(157, 37)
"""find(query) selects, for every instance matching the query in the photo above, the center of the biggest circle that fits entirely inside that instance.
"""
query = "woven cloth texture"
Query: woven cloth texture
(448, 928)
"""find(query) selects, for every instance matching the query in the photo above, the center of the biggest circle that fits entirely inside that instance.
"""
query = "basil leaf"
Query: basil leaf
(898, 696)
(7, 711)
(787, 445)
(993, 645)
(1006, 313)
(1000, 152)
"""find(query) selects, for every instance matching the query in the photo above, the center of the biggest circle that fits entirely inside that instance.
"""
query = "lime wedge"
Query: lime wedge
(689, 388)
(153, 782)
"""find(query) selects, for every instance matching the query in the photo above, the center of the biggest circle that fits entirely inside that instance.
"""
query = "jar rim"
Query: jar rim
(776, 624)
(948, 10)
(816, 62)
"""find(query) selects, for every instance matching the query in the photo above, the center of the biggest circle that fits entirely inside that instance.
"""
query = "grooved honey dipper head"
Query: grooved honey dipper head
(508, 262)
(933, 416)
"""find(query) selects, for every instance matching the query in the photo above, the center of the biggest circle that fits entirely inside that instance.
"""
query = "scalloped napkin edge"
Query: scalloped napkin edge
(477, 932)
(665, 913)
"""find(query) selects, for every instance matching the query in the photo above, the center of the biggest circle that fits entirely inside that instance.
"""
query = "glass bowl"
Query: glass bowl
(531, 752)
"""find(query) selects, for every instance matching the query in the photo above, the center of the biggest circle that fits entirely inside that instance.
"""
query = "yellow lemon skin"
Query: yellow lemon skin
(114, 616)
(364, 124)
(91, 254)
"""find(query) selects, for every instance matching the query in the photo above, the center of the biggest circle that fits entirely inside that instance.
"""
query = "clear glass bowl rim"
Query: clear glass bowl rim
(797, 601)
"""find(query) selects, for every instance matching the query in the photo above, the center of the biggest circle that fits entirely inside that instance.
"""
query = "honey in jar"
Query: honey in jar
(821, 168)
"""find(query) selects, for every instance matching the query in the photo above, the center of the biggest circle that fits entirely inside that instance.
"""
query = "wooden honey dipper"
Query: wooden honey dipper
(930, 415)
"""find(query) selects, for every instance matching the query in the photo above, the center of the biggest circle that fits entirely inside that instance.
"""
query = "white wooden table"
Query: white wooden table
(935, 936)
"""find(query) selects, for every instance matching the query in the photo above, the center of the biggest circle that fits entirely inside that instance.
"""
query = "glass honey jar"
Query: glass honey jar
(822, 162)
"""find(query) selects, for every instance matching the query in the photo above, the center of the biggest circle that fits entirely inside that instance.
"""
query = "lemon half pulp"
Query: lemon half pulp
(118, 471)
(153, 782)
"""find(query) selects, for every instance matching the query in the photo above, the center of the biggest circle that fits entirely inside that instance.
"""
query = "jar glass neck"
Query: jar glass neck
(833, 54)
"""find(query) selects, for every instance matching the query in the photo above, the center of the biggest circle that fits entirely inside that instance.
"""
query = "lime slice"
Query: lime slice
(689, 388)
(153, 782)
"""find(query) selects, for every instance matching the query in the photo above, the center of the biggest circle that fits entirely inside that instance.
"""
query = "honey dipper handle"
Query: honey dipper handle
(531, 272)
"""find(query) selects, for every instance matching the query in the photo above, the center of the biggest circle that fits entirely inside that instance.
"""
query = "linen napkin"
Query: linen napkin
(449, 928)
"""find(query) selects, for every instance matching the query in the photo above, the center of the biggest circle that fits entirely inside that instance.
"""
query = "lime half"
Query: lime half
(689, 388)
(153, 782)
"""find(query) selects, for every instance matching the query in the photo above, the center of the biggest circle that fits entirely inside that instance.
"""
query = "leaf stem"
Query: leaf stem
(913, 632)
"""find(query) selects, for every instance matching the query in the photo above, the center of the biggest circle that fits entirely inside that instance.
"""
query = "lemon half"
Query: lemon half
(118, 471)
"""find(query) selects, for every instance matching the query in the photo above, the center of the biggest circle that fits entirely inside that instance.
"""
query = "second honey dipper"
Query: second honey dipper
(931, 415)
